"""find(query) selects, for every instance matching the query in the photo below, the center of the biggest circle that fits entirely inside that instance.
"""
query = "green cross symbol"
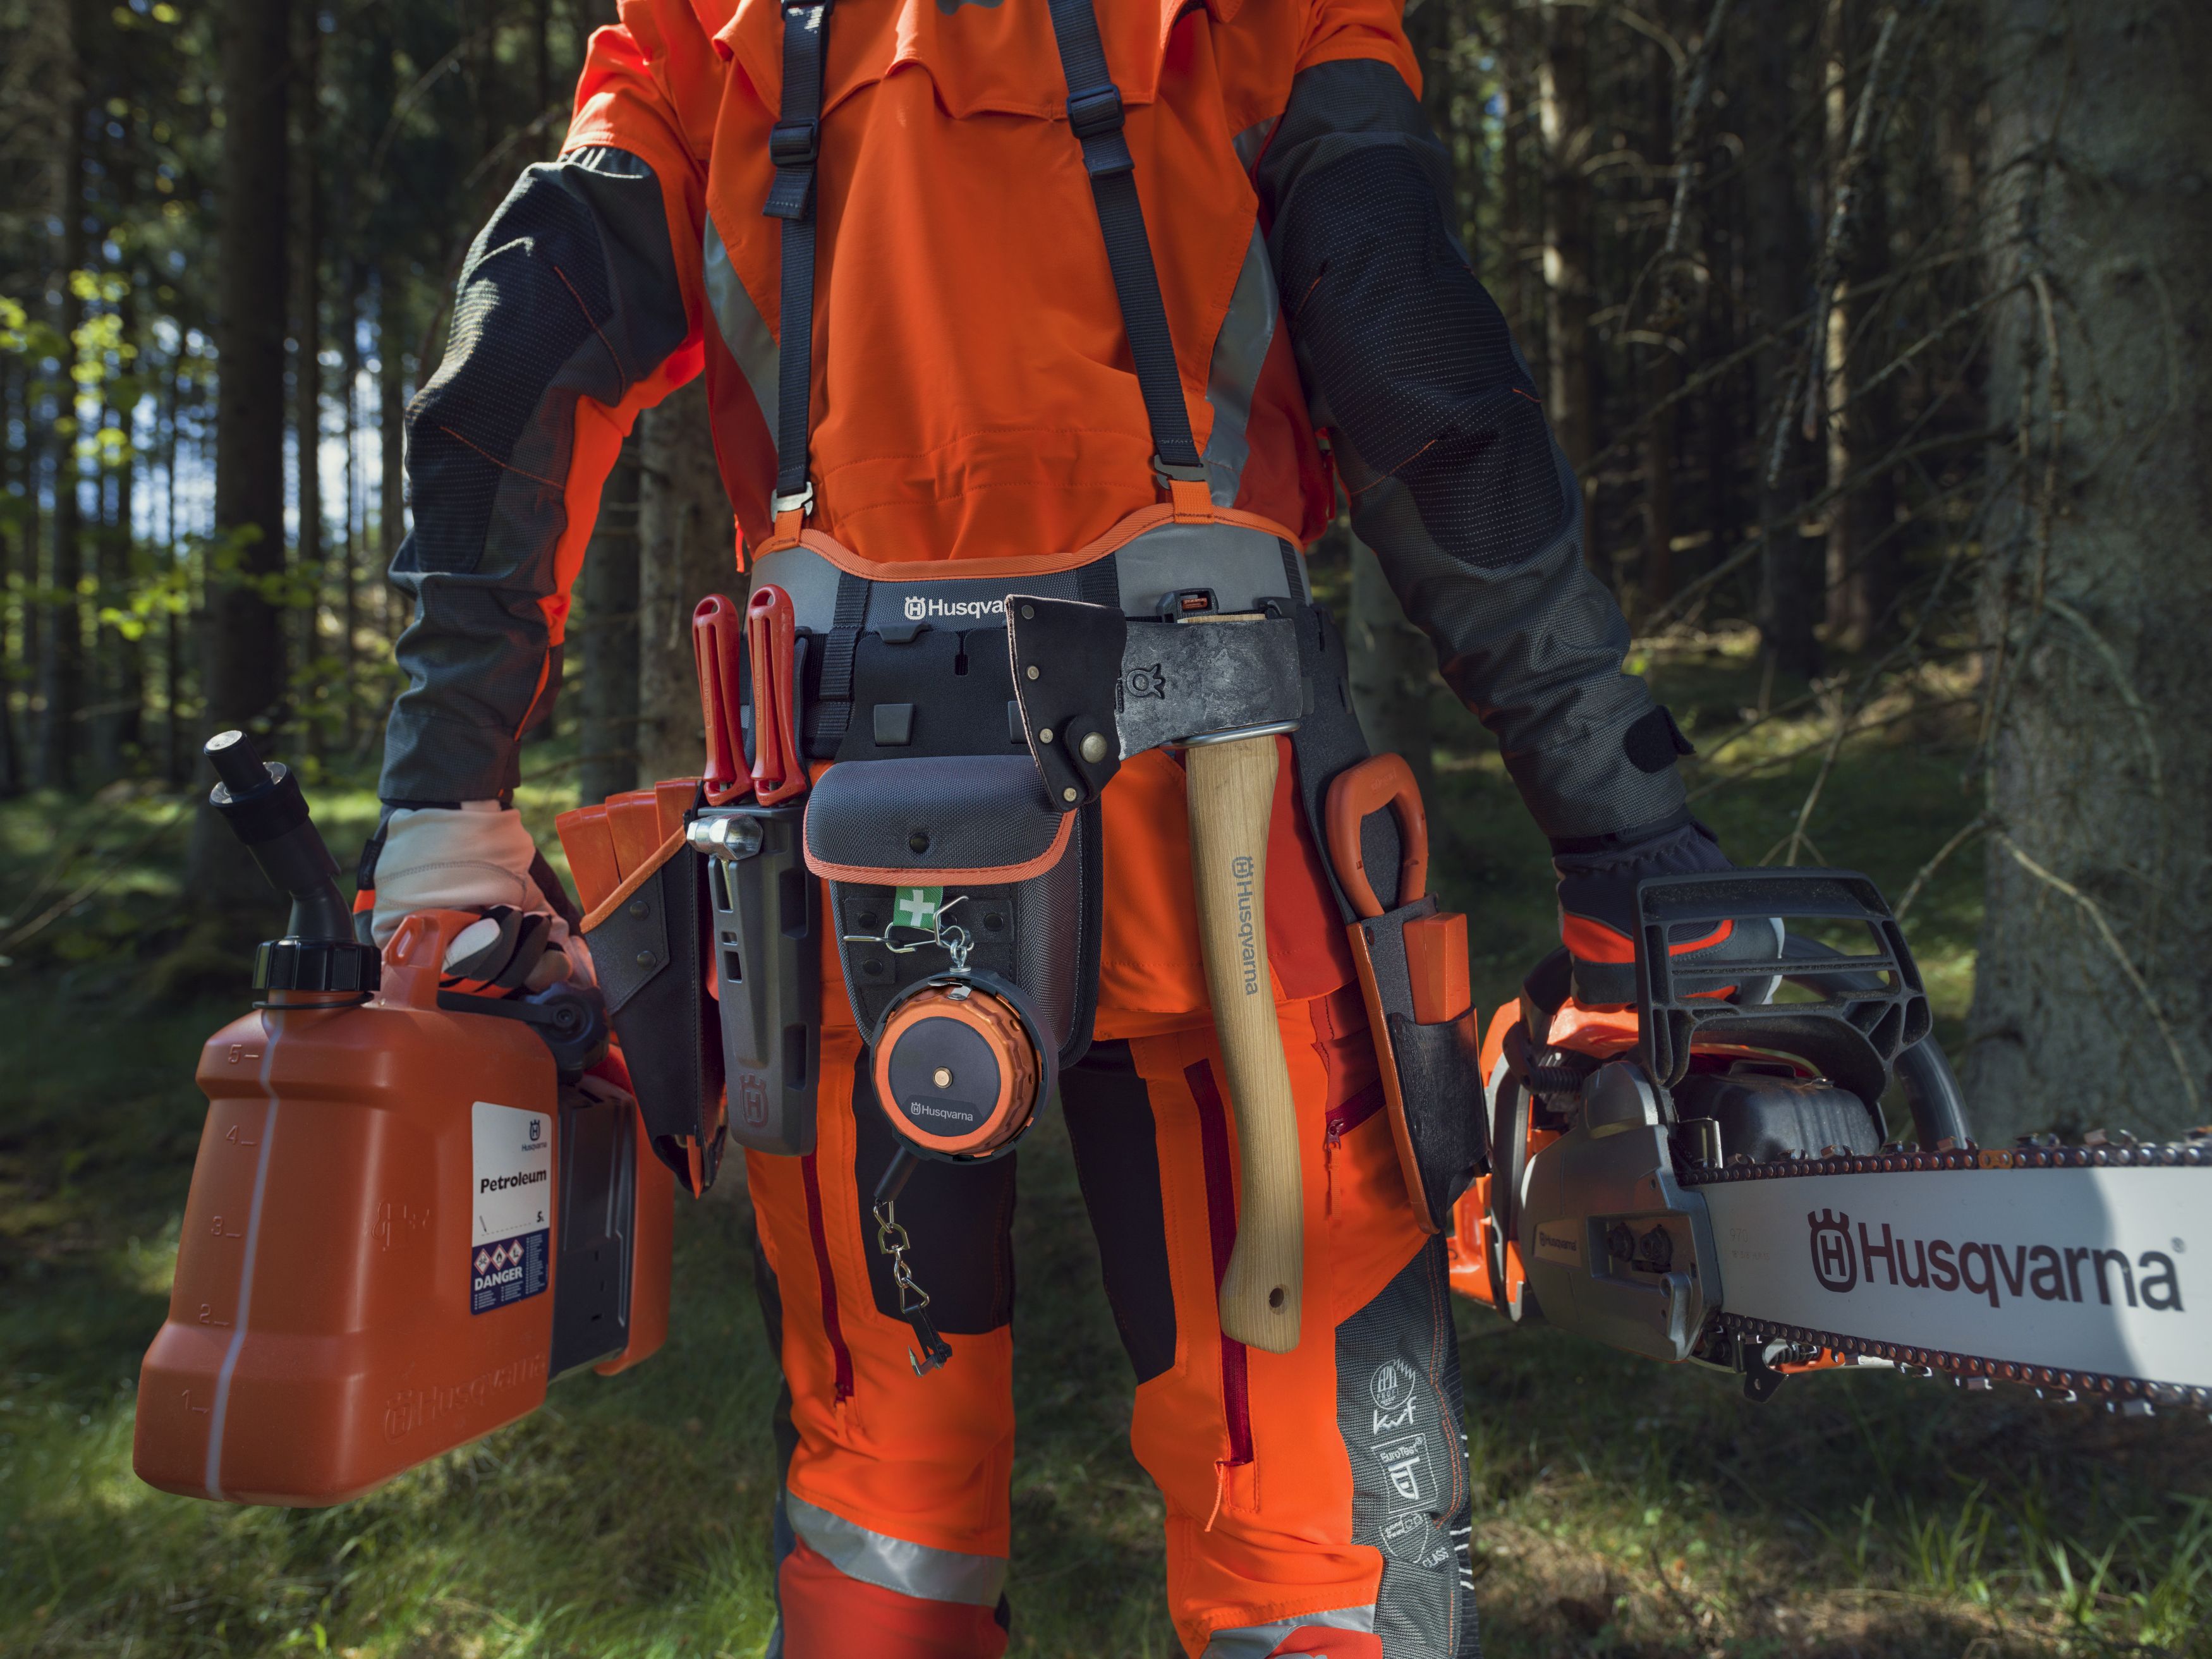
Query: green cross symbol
(916, 908)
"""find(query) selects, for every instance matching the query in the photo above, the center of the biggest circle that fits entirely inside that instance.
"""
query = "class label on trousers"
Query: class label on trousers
(513, 1183)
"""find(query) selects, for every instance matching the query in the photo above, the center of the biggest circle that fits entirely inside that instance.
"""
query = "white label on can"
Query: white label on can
(512, 1198)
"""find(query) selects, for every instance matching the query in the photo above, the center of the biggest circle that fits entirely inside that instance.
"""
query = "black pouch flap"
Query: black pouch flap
(951, 820)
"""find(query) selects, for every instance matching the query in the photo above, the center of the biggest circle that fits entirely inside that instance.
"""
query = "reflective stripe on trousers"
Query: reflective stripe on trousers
(1259, 1641)
(893, 1564)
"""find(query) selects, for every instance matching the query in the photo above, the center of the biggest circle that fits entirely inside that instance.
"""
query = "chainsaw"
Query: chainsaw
(1716, 1183)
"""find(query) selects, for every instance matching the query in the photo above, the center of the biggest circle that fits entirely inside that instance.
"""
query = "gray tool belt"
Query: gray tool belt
(907, 684)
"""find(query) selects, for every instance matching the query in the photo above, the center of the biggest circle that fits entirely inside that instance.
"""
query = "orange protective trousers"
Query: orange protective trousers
(1316, 1501)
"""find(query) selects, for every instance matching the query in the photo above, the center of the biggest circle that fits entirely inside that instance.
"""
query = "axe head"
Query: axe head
(1096, 687)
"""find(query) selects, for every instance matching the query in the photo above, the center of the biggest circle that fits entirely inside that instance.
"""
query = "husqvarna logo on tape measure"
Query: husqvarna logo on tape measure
(1845, 1254)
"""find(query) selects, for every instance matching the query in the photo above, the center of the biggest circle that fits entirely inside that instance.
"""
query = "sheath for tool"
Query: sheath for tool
(647, 921)
(1413, 964)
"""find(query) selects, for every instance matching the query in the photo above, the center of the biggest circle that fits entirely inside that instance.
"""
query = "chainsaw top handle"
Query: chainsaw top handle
(1870, 1018)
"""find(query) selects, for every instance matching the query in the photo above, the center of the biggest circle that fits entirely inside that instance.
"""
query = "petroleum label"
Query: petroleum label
(512, 1179)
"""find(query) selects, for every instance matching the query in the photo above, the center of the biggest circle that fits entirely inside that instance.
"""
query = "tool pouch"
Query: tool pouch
(764, 909)
(914, 848)
(646, 919)
(1412, 973)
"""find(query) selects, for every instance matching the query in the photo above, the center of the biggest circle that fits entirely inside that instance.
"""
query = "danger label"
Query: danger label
(512, 1187)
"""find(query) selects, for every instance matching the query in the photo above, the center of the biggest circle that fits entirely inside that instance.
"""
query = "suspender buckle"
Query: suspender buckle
(1169, 472)
(794, 144)
(1095, 111)
(801, 501)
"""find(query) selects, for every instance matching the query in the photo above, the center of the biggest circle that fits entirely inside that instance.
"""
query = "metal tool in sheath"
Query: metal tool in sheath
(1413, 966)
(1722, 1187)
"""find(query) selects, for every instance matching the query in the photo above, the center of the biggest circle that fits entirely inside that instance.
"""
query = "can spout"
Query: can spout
(262, 804)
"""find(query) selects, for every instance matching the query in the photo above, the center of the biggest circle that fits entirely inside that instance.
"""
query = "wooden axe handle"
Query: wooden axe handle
(1232, 793)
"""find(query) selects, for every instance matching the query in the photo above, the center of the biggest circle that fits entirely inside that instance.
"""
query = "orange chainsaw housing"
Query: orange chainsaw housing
(320, 1339)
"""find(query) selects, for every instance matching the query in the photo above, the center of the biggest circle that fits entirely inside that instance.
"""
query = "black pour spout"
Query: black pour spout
(262, 804)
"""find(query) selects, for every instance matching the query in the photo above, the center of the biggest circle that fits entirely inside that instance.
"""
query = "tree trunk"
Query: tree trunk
(245, 683)
(1790, 574)
(1513, 102)
(607, 739)
(1865, 562)
(61, 685)
(390, 430)
(2097, 595)
(1564, 106)
(1393, 668)
(687, 548)
(18, 537)
(175, 765)
(349, 544)
(307, 333)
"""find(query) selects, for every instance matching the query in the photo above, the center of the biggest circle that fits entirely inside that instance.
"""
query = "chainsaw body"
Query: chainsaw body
(1589, 1217)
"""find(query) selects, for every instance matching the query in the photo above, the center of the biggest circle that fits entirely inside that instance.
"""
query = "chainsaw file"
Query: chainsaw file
(1413, 966)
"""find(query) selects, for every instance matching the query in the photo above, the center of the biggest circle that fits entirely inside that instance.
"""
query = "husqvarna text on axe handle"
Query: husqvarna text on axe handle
(1232, 792)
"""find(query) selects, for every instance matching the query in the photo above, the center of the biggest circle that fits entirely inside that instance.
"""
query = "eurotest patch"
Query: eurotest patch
(511, 1176)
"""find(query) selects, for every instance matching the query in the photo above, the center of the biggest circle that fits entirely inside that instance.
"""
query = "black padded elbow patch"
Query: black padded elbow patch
(536, 289)
(1414, 359)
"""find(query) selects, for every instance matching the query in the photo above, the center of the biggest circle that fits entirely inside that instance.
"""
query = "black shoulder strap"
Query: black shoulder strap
(1094, 110)
(794, 142)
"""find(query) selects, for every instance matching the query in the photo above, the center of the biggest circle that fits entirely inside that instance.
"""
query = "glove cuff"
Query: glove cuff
(469, 857)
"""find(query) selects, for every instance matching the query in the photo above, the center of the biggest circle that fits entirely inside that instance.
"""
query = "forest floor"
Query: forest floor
(1623, 1508)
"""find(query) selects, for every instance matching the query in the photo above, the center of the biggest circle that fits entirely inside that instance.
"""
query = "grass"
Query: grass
(1623, 1509)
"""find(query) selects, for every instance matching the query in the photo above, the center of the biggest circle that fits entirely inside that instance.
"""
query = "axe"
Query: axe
(1095, 687)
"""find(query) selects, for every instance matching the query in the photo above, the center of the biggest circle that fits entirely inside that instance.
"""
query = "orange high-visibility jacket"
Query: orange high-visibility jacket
(972, 396)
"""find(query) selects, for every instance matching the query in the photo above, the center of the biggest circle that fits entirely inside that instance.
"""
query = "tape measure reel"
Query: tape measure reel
(961, 1066)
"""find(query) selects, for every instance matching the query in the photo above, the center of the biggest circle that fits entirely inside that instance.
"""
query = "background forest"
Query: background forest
(1878, 334)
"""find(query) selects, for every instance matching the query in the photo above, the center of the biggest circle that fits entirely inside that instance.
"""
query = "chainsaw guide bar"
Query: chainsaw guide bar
(2150, 1348)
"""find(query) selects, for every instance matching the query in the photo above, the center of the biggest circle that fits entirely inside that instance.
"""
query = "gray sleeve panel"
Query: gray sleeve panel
(1536, 651)
(1455, 480)
(570, 291)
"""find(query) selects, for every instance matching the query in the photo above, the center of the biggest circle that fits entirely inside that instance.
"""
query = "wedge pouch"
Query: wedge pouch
(649, 943)
(763, 913)
(973, 841)
(1431, 1074)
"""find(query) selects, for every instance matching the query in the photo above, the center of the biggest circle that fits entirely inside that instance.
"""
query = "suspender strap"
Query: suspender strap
(1094, 110)
(833, 698)
(794, 145)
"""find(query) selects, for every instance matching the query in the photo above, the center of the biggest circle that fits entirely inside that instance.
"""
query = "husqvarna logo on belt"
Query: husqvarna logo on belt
(1845, 1254)
(921, 608)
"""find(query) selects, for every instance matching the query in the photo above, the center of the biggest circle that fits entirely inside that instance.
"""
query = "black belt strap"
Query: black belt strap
(1094, 110)
(834, 697)
(794, 145)
(1099, 582)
